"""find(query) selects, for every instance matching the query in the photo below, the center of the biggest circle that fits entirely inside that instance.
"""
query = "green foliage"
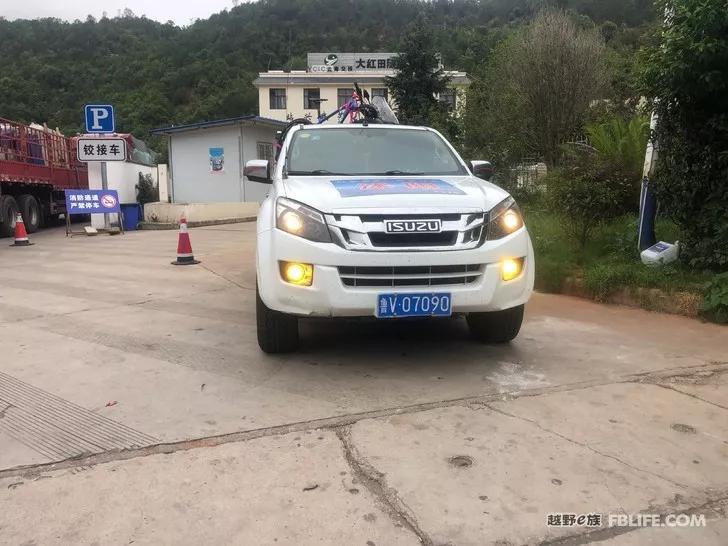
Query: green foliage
(158, 74)
(715, 302)
(602, 280)
(609, 262)
(450, 123)
(621, 143)
(536, 91)
(588, 191)
(147, 192)
(685, 72)
(419, 78)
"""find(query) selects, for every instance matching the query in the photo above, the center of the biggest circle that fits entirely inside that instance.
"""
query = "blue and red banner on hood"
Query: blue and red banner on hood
(388, 186)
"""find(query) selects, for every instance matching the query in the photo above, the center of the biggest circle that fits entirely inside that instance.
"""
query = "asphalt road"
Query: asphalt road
(135, 406)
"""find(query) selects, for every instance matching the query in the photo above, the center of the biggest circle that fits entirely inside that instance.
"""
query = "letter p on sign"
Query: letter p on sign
(99, 118)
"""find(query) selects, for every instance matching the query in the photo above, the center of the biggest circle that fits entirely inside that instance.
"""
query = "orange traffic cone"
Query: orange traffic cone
(21, 236)
(184, 247)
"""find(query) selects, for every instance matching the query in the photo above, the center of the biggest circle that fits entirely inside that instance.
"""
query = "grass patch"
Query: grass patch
(610, 260)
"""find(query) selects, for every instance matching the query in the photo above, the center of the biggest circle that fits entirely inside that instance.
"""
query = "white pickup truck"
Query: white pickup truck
(385, 221)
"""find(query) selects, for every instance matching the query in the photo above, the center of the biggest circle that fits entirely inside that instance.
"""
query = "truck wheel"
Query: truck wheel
(277, 332)
(497, 326)
(30, 210)
(8, 212)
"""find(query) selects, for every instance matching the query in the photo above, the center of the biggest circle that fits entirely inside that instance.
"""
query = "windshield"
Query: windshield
(370, 150)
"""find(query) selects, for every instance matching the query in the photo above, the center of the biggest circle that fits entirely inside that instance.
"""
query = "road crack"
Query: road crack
(333, 422)
(375, 483)
(691, 395)
(584, 445)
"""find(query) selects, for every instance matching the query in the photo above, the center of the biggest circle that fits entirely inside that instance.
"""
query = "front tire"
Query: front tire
(277, 332)
(496, 326)
(30, 211)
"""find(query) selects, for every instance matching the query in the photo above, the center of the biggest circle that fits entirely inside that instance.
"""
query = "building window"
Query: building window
(448, 98)
(277, 99)
(343, 94)
(265, 150)
(311, 99)
(380, 92)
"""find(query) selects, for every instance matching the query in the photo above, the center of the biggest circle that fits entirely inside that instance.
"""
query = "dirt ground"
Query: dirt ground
(136, 407)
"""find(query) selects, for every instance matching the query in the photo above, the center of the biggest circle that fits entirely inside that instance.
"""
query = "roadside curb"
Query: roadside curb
(201, 223)
(682, 303)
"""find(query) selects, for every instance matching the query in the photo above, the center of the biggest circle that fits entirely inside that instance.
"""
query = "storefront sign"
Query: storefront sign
(350, 62)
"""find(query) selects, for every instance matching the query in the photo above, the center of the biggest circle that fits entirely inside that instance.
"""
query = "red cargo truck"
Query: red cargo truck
(36, 165)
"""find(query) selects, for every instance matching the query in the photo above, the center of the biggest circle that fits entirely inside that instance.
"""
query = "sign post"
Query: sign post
(100, 119)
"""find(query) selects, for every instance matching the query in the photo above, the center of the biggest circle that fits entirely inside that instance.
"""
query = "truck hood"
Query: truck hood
(341, 194)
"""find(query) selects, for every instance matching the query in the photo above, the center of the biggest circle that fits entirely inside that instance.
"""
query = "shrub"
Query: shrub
(147, 192)
(715, 300)
(587, 192)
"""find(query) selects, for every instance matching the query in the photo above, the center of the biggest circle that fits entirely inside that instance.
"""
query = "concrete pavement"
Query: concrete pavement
(125, 381)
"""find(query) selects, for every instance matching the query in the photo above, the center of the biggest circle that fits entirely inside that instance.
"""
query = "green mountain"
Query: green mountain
(156, 74)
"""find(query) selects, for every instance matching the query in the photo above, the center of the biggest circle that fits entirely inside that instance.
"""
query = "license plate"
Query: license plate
(437, 304)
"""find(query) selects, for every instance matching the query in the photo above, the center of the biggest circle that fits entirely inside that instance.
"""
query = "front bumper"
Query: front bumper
(329, 297)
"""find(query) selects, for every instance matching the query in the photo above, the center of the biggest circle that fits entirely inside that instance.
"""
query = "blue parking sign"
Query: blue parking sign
(100, 118)
(92, 201)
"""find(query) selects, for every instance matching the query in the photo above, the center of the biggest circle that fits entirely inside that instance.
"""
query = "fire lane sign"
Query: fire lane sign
(92, 201)
(101, 149)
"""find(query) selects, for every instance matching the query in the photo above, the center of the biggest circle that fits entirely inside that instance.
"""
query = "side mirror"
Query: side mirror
(258, 170)
(482, 169)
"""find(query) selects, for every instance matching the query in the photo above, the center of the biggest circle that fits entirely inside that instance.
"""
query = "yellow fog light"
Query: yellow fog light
(292, 222)
(511, 268)
(297, 273)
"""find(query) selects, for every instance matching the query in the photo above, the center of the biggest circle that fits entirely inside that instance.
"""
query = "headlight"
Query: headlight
(298, 219)
(504, 219)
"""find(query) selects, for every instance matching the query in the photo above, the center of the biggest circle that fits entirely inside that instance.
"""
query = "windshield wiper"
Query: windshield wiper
(312, 173)
(396, 171)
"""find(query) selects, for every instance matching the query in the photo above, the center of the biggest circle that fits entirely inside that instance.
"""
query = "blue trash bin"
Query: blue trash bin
(132, 215)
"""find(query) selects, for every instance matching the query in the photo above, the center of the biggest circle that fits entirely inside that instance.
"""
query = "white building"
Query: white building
(206, 159)
(328, 83)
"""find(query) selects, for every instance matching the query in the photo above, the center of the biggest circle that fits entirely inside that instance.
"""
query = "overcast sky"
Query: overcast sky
(179, 11)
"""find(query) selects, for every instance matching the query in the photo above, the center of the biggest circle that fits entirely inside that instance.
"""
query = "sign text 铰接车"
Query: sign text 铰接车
(101, 149)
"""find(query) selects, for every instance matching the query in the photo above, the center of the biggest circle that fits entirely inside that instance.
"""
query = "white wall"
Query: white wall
(122, 176)
(191, 178)
(170, 213)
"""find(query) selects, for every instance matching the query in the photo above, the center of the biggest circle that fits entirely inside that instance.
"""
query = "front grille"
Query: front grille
(434, 275)
(398, 240)
(460, 231)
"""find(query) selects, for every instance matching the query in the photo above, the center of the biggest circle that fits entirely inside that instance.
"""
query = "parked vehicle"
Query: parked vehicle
(36, 165)
(385, 221)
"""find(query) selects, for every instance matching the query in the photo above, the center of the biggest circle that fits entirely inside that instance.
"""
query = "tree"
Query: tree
(536, 92)
(419, 77)
(50, 68)
(685, 73)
